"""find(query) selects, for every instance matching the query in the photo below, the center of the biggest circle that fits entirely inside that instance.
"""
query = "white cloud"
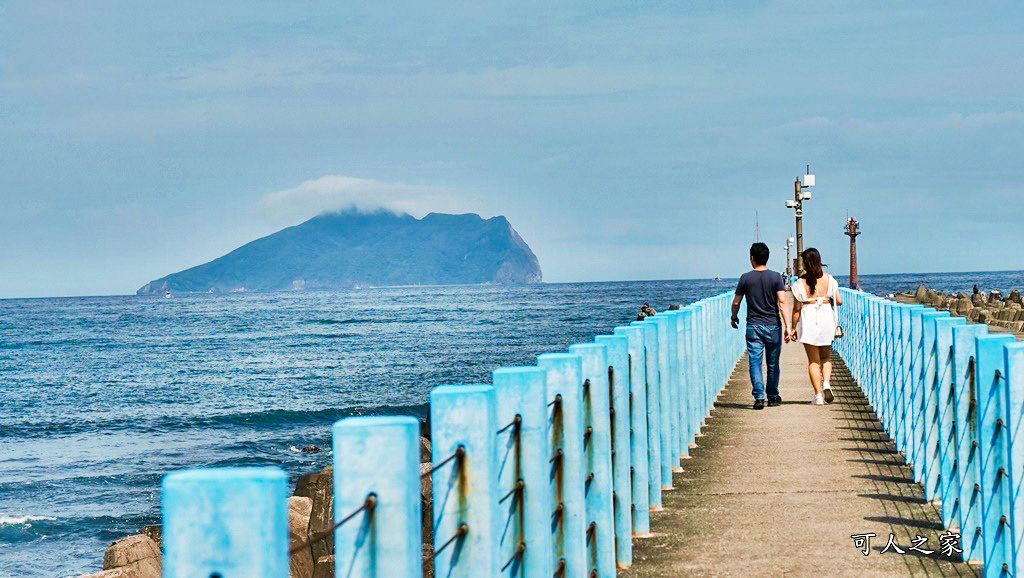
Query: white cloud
(336, 192)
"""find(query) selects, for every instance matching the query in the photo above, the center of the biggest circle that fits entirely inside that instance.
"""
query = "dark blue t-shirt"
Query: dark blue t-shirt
(760, 288)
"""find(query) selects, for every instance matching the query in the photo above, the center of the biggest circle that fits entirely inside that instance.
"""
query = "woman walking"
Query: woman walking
(815, 295)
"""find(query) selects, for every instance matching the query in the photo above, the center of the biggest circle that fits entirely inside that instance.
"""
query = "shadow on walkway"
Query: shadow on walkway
(781, 491)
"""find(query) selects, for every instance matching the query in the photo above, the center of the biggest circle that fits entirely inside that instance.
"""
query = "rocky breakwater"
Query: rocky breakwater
(310, 521)
(1003, 313)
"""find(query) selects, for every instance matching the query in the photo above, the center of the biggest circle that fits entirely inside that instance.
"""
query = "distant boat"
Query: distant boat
(167, 293)
(716, 278)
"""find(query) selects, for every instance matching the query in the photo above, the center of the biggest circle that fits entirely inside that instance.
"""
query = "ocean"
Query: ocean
(102, 396)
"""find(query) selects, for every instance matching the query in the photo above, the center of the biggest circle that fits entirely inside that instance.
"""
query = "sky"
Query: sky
(624, 141)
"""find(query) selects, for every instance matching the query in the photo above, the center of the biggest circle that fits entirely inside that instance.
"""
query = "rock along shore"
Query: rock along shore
(310, 512)
(1000, 313)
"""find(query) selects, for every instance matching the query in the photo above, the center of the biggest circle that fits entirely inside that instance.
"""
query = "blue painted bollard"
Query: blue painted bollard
(465, 501)
(565, 397)
(597, 444)
(524, 506)
(968, 499)
(228, 522)
(1015, 403)
(946, 413)
(993, 446)
(651, 355)
(618, 381)
(639, 470)
(376, 482)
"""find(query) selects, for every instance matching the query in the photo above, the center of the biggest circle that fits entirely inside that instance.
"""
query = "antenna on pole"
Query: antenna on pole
(757, 227)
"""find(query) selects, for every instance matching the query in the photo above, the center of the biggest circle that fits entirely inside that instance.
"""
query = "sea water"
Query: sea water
(102, 396)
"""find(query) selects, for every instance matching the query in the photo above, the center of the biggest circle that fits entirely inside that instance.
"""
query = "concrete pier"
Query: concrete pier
(780, 491)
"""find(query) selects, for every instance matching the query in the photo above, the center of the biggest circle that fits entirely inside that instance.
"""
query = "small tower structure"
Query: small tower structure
(852, 230)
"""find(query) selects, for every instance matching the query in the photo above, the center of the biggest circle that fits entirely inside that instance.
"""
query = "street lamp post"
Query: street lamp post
(797, 204)
(789, 264)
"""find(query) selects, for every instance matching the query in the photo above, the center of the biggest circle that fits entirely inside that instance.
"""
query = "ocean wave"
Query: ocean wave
(344, 321)
(269, 419)
(18, 520)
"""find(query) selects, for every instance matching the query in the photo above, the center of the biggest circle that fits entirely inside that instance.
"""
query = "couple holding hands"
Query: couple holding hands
(813, 322)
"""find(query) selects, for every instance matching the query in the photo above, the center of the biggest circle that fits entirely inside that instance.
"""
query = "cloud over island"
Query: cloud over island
(337, 192)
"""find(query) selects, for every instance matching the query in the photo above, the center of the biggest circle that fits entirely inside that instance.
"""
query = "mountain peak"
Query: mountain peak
(358, 248)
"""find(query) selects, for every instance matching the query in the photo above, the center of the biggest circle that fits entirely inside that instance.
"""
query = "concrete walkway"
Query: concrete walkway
(780, 491)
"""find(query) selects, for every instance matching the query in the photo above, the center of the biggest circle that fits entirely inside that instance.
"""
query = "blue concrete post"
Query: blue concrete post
(930, 403)
(639, 470)
(704, 367)
(968, 501)
(993, 446)
(892, 385)
(597, 485)
(377, 455)
(565, 383)
(465, 521)
(226, 521)
(694, 394)
(948, 491)
(679, 441)
(618, 373)
(1015, 403)
(522, 391)
(904, 418)
(686, 422)
(916, 410)
(669, 454)
(653, 413)
(887, 395)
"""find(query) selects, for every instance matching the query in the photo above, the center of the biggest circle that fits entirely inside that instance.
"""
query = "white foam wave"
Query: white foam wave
(15, 520)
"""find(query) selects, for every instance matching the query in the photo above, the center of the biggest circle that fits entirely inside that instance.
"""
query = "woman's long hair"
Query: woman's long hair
(812, 267)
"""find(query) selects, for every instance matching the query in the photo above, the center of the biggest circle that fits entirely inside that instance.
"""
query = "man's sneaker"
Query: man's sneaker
(774, 401)
(818, 399)
(827, 395)
(758, 404)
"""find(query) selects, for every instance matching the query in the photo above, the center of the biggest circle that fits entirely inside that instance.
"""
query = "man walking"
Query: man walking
(765, 292)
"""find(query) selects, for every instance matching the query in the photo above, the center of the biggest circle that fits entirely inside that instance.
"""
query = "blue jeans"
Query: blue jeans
(764, 341)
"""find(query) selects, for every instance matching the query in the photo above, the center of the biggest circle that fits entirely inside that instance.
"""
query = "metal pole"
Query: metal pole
(799, 228)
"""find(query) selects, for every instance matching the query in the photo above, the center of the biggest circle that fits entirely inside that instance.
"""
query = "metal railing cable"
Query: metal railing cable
(460, 452)
(368, 505)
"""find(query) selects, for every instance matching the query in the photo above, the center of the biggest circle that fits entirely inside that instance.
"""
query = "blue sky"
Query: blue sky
(623, 142)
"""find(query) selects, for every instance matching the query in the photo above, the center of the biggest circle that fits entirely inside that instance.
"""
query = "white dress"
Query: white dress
(817, 317)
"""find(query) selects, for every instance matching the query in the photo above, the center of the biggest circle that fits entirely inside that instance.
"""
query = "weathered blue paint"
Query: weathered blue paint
(597, 487)
(653, 413)
(915, 412)
(464, 489)
(565, 379)
(993, 446)
(669, 454)
(679, 376)
(906, 383)
(524, 518)
(930, 404)
(639, 470)
(1015, 403)
(687, 400)
(704, 364)
(947, 416)
(365, 546)
(679, 427)
(968, 501)
(618, 374)
(227, 521)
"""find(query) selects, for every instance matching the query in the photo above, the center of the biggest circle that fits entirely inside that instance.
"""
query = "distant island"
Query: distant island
(367, 249)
